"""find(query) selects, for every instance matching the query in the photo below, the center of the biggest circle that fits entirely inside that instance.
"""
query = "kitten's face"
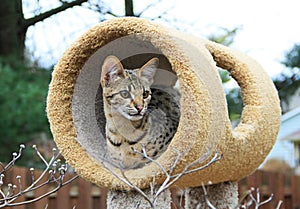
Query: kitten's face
(127, 91)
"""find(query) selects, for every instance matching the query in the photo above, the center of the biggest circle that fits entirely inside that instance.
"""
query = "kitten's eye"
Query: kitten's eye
(125, 94)
(146, 94)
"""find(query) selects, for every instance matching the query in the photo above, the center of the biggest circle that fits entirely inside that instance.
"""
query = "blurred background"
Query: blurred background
(35, 33)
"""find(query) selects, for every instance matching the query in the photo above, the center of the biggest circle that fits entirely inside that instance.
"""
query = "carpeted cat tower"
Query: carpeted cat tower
(74, 102)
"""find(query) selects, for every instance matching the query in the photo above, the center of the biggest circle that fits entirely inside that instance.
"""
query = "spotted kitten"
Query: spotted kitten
(136, 115)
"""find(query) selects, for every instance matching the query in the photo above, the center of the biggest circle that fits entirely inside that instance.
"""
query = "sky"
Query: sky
(268, 29)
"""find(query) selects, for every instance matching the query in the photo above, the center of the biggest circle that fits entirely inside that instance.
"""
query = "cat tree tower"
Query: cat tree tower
(74, 101)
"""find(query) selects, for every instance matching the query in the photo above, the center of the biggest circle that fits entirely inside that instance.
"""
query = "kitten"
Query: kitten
(136, 115)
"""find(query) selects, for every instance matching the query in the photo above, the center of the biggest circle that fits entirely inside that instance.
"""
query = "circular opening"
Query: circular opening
(88, 105)
(77, 81)
(233, 97)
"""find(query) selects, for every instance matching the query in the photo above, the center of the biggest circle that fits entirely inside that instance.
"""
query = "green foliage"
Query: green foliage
(233, 96)
(235, 103)
(292, 58)
(225, 77)
(288, 82)
(225, 36)
(22, 105)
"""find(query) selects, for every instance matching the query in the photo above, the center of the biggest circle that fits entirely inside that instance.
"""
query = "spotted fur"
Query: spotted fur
(136, 115)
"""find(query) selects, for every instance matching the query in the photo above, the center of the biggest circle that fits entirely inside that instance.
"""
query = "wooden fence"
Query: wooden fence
(84, 195)
(285, 187)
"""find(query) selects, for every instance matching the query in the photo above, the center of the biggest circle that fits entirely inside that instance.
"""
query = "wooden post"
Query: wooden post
(133, 199)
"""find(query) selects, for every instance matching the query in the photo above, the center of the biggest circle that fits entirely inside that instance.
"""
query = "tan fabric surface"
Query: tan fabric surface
(204, 122)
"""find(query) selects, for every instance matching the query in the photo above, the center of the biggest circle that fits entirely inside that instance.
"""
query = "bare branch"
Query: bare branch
(209, 204)
(257, 200)
(279, 204)
(65, 5)
(100, 9)
(16, 156)
(254, 200)
(187, 170)
(164, 13)
(148, 7)
(170, 178)
(144, 154)
(54, 172)
(44, 195)
(243, 198)
(127, 182)
(139, 191)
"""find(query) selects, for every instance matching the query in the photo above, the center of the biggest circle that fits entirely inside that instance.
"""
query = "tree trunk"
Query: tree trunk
(221, 196)
(129, 8)
(12, 32)
(13, 25)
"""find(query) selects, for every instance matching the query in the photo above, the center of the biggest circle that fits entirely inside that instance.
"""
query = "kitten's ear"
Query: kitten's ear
(149, 69)
(111, 70)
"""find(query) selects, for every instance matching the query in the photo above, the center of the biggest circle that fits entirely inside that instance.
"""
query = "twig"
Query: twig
(127, 182)
(186, 171)
(170, 177)
(44, 195)
(16, 156)
(138, 190)
(54, 168)
(257, 200)
(279, 204)
(153, 4)
(209, 204)
(243, 198)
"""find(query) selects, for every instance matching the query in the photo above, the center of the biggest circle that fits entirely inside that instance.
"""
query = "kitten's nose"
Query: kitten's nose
(139, 108)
